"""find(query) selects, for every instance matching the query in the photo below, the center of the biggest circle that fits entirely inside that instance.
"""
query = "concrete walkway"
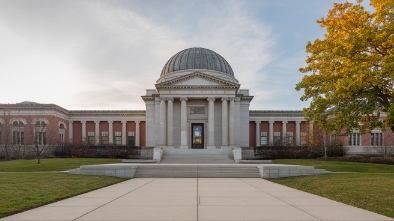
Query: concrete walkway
(205, 199)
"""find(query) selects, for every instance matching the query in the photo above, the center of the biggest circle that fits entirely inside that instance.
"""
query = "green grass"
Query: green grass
(25, 185)
(364, 185)
(52, 164)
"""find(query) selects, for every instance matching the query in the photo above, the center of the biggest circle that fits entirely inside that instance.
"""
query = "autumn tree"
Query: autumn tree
(349, 74)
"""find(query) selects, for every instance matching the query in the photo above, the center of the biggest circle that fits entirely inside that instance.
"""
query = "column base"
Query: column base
(225, 147)
(211, 147)
(183, 147)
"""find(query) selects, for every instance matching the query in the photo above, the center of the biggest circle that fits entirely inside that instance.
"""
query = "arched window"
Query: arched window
(18, 136)
(40, 133)
(61, 134)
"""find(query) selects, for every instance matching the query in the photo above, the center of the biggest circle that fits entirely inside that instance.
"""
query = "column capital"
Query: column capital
(96, 121)
(110, 121)
(271, 121)
(83, 121)
(233, 99)
(298, 122)
(284, 122)
(210, 99)
(124, 121)
(183, 98)
(162, 98)
(224, 99)
(170, 99)
(257, 122)
(70, 122)
(137, 121)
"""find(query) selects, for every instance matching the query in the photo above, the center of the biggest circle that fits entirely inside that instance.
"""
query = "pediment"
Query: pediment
(197, 80)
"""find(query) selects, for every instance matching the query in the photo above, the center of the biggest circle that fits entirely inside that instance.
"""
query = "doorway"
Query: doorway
(197, 136)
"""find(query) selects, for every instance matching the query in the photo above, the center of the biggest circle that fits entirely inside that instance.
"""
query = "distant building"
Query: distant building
(197, 103)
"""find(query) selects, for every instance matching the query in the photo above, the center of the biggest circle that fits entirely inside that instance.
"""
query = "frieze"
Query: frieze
(197, 110)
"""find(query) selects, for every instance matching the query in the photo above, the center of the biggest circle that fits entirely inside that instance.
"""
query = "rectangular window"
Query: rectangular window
(91, 138)
(118, 138)
(303, 138)
(22, 138)
(131, 139)
(61, 139)
(289, 138)
(276, 138)
(263, 138)
(354, 139)
(104, 138)
(377, 139)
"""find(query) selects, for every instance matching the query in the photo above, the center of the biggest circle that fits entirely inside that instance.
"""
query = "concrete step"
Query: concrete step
(188, 171)
(197, 156)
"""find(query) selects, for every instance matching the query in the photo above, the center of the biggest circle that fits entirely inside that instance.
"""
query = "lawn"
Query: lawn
(364, 185)
(22, 189)
(52, 164)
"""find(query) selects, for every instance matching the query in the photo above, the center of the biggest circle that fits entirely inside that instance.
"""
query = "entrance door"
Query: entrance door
(198, 136)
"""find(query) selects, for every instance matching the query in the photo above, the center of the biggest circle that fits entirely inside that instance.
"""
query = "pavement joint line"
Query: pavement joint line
(279, 198)
(114, 199)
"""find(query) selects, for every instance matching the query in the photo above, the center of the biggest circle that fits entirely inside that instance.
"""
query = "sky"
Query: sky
(103, 55)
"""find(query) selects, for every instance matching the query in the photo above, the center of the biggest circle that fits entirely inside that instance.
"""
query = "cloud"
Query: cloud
(103, 55)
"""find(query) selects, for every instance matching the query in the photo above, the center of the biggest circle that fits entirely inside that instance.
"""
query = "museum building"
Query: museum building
(197, 103)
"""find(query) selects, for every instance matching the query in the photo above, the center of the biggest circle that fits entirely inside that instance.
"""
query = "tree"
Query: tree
(41, 134)
(351, 80)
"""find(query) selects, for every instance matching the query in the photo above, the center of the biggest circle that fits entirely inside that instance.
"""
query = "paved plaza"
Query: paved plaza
(194, 199)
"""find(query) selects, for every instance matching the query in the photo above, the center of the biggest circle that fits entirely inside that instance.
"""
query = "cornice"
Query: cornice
(275, 113)
(107, 113)
(170, 84)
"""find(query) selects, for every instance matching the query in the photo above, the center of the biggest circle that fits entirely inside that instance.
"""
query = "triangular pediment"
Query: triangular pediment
(197, 80)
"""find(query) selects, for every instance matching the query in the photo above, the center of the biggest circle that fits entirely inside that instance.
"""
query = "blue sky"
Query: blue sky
(104, 54)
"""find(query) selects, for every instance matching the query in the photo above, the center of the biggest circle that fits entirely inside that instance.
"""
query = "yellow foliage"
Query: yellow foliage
(350, 73)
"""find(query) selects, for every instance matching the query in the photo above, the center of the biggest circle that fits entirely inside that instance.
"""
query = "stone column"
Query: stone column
(83, 131)
(224, 122)
(97, 132)
(232, 122)
(258, 134)
(284, 138)
(183, 123)
(124, 122)
(271, 132)
(70, 132)
(211, 123)
(298, 133)
(137, 134)
(110, 132)
(163, 122)
(170, 122)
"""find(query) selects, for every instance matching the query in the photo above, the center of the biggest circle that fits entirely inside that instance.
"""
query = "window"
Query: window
(276, 138)
(104, 138)
(40, 133)
(91, 138)
(303, 138)
(61, 139)
(377, 139)
(354, 139)
(18, 133)
(118, 138)
(263, 138)
(289, 138)
(131, 139)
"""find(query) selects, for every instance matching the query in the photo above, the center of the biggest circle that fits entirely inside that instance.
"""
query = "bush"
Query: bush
(293, 152)
(121, 152)
(365, 159)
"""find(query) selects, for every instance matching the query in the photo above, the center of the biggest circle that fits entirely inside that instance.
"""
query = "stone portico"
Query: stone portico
(199, 106)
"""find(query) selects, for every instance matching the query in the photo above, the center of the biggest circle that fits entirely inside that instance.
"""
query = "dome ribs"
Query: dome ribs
(197, 58)
(177, 62)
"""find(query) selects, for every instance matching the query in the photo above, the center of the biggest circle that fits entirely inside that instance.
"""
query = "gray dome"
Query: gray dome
(197, 58)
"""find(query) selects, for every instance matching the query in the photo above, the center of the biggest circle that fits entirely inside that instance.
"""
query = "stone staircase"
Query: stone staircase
(197, 171)
(197, 156)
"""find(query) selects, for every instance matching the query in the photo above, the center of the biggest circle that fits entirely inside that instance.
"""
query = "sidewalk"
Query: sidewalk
(205, 199)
